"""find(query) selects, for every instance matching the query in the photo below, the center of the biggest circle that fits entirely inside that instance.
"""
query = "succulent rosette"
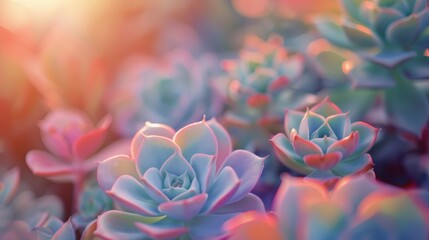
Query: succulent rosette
(357, 208)
(20, 207)
(175, 90)
(183, 183)
(323, 143)
(263, 81)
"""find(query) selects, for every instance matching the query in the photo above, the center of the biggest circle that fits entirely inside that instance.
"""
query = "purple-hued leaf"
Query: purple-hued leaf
(131, 194)
(111, 169)
(205, 169)
(185, 209)
(196, 138)
(164, 229)
(222, 189)
(248, 168)
(224, 142)
(113, 225)
(153, 185)
(153, 152)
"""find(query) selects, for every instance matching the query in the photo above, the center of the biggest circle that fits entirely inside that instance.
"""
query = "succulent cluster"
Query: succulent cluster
(176, 90)
(108, 103)
(264, 80)
(357, 208)
(24, 217)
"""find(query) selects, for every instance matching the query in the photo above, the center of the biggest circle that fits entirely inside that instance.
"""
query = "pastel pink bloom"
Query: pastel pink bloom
(72, 141)
(357, 208)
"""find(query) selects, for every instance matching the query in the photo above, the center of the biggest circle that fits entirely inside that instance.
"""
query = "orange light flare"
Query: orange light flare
(347, 66)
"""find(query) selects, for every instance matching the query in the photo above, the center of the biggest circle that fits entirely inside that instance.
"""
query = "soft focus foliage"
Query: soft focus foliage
(357, 208)
(101, 106)
(20, 208)
(72, 140)
(175, 90)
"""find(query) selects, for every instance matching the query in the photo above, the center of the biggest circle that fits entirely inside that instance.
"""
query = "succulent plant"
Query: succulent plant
(263, 81)
(183, 183)
(175, 90)
(323, 143)
(387, 32)
(21, 207)
(357, 208)
(72, 141)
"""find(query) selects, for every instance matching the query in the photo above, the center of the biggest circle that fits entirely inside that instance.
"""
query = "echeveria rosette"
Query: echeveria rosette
(358, 207)
(264, 80)
(323, 143)
(175, 90)
(188, 182)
